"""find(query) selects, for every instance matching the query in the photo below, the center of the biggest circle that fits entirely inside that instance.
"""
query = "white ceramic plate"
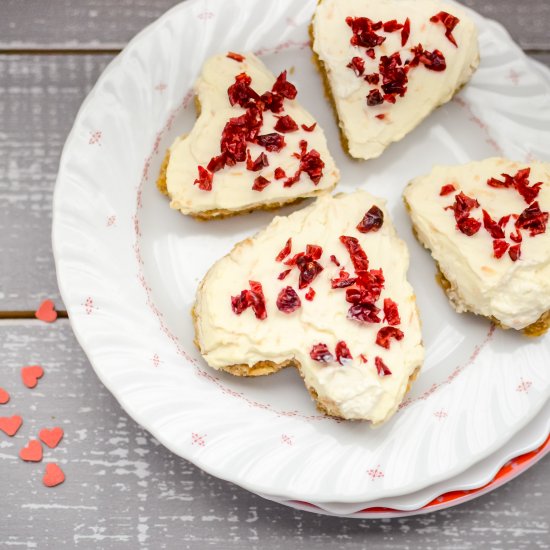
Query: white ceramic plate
(128, 268)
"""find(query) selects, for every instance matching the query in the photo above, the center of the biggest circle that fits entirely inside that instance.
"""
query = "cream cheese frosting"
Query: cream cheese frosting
(516, 293)
(232, 186)
(367, 135)
(353, 389)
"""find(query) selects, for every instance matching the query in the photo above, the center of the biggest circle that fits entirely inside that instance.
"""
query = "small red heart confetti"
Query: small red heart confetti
(4, 396)
(31, 374)
(52, 437)
(46, 312)
(10, 425)
(32, 452)
(53, 475)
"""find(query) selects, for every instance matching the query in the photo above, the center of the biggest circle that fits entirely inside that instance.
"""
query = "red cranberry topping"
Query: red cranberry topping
(272, 142)
(284, 88)
(372, 220)
(334, 260)
(288, 300)
(240, 92)
(434, 61)
(381, 117)
(374, 98)
(394, 76)
(286, 124)
(385, 334)
(468, 226)
(364, 32)
(364, 312)
(279, 174)
(216, 163)
(284, 274)
(520, 182)
(312, 165)
(343, 354)
(343, 281)
(258, 164)
(315, 251)
(272, 102)
(391, 312)
(373, 78)
(449, 21)
(309, 269)
(515, 252)
(499, 248)
(381, 367)
(406, 32)
(516, 236)
(204, 180)
(533, 219)
(392, 26)
(235, 56)
(309, 128)
(492, 227)
(370, 285)
(357, 65)
(363, 358)
(447, 190)
(260, 183)
(357, 254)
(320, 352)
(310, 294)
(287, 248)
(462, 207)
(253, 298)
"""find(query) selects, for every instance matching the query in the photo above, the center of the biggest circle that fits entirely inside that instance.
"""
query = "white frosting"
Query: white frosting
(515, 293)
(368, 136)
(356, 389)
(232, 186)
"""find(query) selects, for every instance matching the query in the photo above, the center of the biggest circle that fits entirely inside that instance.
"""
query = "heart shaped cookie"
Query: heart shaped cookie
(388, 63)
(10, 425)
(32, 452)
(53, 475)
(324, 290)
(51, 437)
(31, 374)
(486, 224)
(252, 147)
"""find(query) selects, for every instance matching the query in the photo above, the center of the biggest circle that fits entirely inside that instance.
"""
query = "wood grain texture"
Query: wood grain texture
(109, 24)
(124, 489)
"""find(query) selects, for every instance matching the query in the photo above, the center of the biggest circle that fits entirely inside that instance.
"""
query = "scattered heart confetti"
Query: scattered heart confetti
(52, 437)
(32, 452)
(4, 396)
(53, 475)
(31, 374)
(46, 312)
(10, 425)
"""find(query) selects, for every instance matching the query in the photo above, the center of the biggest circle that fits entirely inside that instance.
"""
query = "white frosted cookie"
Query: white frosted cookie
(387, 64)
(252, 147)
(324, 290)
(486, 226)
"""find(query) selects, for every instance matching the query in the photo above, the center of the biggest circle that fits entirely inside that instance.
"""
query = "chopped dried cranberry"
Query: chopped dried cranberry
(284, 274)
(309, 128)
(258, 164)
(253, 298)
(216, 163)
(449, 21)
(533, 219)
(391, 312)
(309, 269)
(373, 78)
(370, 53)
(468, 226)
(357, 254)
(492, 227)
(364, 312)
(312, 164)
(343, 354)
(279, 174)
(288, 300)
(284, 88)
(390, 98)
(394, 76)
(434, 61)
(499, 248)
(406, 32)
(363, 32)
(381, 367)
(204, 180)
(285, 251)
(272, 102)
(343, 281)
(363, 358)
(260, 183)
(240, 92)
(520, 182)
(516, 236)
(320, 352)
(370, 284)
(463, 205)
(447, 190)
(310, 294)
(385, 334)
(357, 65)
(286, 124)
(381, 117)
(374, 98)
(235, 56)
(503, 222)
(334, 260)
(314, 250)
(372, 220)
(392, 26)
(515, 252)
(272, 142)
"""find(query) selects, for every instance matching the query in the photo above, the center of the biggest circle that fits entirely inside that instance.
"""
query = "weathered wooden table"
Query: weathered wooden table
(124, 489)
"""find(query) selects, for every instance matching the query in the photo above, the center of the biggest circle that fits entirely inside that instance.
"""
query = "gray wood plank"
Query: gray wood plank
(111, 23)
(123, 489)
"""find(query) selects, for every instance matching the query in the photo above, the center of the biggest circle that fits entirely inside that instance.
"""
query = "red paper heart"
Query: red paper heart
(32, 452)
(46, 312)
(31, 374)
(53, 475)
(51, 437)
(10, 425)
(4, 396)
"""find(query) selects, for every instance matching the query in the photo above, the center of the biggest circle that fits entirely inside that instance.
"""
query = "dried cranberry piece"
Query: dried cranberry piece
(260, 183)
(449, 21)
(492, 227)
(343, 355)
(373, 78)
(235, 56)
(204, 181)
(381, 367)
(272, 142)
(394, 76)
(343, 281)
(253, 298)
(288, 300)
(309, 128)
(240, 92)
(520, 182)
(363, 358)
(357, 254)
(364, 312)
(447, 190)
(392, 26)
(503, 222)
(363, 32)
(370, 53)
(258, 164)
(468, 226)
(357, 65)
(284, 88)
(463, 205)
(235, 134)
(309, 269)
(499, 248)
(310, 294)
(284, 274)
(533, 219)
(381, 117)
(312, 165)
(406, 32)
(279, 174)
(286, 124)
(372, 220)
(516, 236)
(434, 61)
(285, 251)
(314, 250)
(391, 312)
(272, 102)
(216, 163)
(320, 352)
(334, 260)
(371, 284)
(374, 98)
(390, 98)
(386, 333)
(515, 252)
